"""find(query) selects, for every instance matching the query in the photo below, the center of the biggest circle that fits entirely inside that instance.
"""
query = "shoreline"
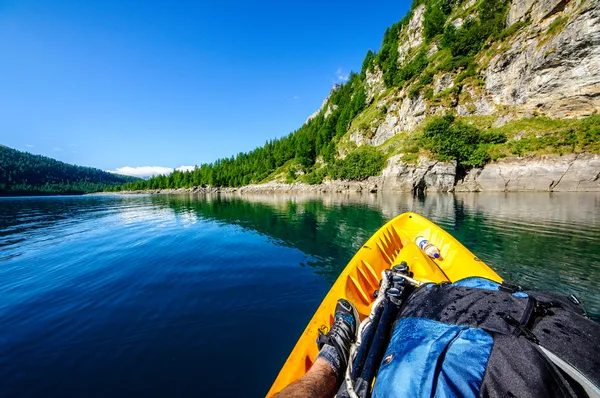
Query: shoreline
(350, 187)
(546, 173)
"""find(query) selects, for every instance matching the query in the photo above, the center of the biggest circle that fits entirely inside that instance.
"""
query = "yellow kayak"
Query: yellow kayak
(392, 244)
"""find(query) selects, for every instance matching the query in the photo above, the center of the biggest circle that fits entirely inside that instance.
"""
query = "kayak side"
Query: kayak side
(390, 245)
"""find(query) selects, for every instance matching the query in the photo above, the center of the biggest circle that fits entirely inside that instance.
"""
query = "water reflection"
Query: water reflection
(543, 241)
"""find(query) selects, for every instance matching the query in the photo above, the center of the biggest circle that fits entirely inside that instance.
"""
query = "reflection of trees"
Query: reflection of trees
(329, 232)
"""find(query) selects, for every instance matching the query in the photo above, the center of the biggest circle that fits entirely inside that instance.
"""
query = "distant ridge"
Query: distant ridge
(22, 173)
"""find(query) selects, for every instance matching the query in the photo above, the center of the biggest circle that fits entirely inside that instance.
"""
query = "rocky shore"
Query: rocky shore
(549, 173)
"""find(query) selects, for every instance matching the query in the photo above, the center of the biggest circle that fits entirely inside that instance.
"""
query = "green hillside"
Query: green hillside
(22, 173)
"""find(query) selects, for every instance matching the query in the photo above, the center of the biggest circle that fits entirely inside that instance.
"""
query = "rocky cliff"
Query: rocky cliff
(554, 73)
(548, 173)
(549, 67)
(546, 66)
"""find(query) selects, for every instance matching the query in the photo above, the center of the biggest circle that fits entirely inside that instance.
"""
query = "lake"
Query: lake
(206, 296)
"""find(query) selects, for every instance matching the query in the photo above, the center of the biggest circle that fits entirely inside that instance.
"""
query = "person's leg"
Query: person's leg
(324, 377)
(319, 381)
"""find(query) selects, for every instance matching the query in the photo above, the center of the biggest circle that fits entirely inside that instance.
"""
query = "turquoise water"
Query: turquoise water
(205, 296)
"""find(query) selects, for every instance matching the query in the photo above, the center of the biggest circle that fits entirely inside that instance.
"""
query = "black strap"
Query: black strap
(521, 329)
(509, 288)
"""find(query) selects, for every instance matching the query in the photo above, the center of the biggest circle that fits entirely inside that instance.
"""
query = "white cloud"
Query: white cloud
(29, 145)
(142, 172)
(343, 78)
(185, 168)
(296, 97)
(340, 76)
(57, 149)
(148, 171)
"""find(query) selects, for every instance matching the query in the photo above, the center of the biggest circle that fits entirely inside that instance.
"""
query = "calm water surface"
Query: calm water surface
(205, 296)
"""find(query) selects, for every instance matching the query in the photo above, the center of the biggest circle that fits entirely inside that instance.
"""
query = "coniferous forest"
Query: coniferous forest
(22, 173)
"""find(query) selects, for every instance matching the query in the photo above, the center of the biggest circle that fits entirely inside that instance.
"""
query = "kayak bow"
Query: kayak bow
(390, 245)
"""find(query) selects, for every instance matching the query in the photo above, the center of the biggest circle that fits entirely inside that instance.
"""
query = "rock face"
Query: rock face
(401, 116)
(414, 32)
(335, 88)
(387, 129)
(557, 74)
(374, 80)
(546, 69)
(475, 102)
(426, 175)
(551, 173)
(443, 82)
(521, 10)
(545, 8)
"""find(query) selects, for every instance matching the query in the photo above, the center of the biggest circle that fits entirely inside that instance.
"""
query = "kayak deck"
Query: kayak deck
(390, 245)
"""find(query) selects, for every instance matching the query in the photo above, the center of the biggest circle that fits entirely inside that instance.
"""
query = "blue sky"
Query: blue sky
(111, 84)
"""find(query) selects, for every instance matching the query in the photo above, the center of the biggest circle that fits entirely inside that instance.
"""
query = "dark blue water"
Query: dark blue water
(196, 296)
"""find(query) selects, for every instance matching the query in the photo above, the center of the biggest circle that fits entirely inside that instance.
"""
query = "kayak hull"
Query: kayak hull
(389, 246)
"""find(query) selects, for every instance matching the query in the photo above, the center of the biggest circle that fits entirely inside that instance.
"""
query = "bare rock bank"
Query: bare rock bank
(551, 173)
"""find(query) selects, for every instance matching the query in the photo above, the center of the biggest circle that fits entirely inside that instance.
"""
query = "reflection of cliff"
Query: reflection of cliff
(435, 207)
(544, 241)
(536, 208)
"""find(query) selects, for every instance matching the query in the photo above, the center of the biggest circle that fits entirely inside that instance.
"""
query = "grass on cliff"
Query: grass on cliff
(454, 140)
(538, 136)
(364, 121)
(474, 141)
(284, 173)
(557, 26)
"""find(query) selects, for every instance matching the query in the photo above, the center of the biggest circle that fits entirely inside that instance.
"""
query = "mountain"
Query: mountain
(462, 95)
(22, 173)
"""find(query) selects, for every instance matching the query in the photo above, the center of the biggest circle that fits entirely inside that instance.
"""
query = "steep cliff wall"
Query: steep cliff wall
(547, 65)
(554, 73)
